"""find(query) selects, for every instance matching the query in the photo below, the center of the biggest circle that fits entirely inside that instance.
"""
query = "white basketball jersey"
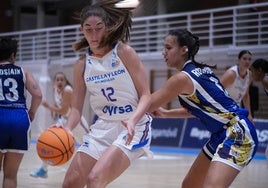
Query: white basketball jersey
(113, 95)
(62, 119)
(58, 96)
(238, 89)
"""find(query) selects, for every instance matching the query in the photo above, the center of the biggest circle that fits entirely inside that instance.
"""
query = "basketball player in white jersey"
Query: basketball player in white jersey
(119, 95)
(63, 92)
(237, 80)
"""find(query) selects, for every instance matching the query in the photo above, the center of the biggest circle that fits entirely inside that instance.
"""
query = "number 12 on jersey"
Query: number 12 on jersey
(108, 94)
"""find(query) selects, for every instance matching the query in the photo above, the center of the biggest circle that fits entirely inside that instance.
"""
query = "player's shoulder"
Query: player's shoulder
(124, 49)
(68, 88)
(81, 59)
(231, 72)
(80, 62)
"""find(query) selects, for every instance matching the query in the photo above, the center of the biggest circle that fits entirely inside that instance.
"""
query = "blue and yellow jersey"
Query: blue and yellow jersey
(209, 101)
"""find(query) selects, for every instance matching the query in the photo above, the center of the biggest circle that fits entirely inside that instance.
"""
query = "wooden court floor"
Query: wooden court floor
(164, 171)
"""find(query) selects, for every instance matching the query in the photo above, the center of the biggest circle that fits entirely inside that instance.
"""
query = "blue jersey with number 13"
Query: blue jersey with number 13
(12, 86)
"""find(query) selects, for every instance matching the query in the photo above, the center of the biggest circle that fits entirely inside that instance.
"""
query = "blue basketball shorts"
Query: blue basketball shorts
(14, 130)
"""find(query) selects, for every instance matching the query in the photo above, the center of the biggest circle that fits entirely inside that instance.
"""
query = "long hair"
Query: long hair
(186, 38)
(117, 20)
(64, 76)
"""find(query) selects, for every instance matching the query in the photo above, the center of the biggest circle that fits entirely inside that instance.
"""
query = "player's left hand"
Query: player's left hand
(130, 126)
(31, 115)
(158, 113)
(45, 104)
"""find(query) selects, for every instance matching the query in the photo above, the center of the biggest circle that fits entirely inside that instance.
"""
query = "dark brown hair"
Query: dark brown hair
(241, 53)
(186, 38)
(261, 64)
(64, 76)
(7, 47)
(117, 20)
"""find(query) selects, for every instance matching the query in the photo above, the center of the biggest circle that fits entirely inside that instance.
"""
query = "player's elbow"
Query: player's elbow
(38, 96)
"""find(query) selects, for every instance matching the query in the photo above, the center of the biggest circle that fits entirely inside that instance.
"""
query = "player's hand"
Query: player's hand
(57, 125)
(130, 126)
(68, 130)
(31, 115)
(250, 118)
(45, 104)
(158, 113)
(63, 127)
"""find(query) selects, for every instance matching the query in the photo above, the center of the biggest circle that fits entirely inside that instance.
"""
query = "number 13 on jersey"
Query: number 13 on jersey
(8, 90)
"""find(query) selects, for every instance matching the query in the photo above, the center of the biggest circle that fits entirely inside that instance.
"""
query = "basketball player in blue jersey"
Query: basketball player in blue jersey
(233, 141)
(15, 117)
(237, 80)
(119, 95)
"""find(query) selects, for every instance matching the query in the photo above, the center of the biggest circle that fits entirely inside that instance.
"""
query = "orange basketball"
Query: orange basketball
(55, 146)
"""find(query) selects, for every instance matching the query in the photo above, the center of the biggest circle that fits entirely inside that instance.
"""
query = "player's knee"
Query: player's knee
(212, 183)
(71, 181)
(95, 180)
(66, 183)
(190, 183)
(10, 176)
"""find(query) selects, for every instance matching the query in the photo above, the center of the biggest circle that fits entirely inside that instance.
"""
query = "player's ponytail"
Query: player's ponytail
(186, 38)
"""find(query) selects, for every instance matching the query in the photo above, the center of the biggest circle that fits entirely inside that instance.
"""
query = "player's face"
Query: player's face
(245, 61)
(173, 53)
(93, 29)
(257, 75)
(60, 81)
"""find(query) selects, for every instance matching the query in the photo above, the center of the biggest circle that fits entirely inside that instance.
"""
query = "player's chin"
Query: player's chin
(166, 61)
(168, 64)
(94, 44)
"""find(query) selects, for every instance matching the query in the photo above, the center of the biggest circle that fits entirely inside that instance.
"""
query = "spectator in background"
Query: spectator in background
(238, 79)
